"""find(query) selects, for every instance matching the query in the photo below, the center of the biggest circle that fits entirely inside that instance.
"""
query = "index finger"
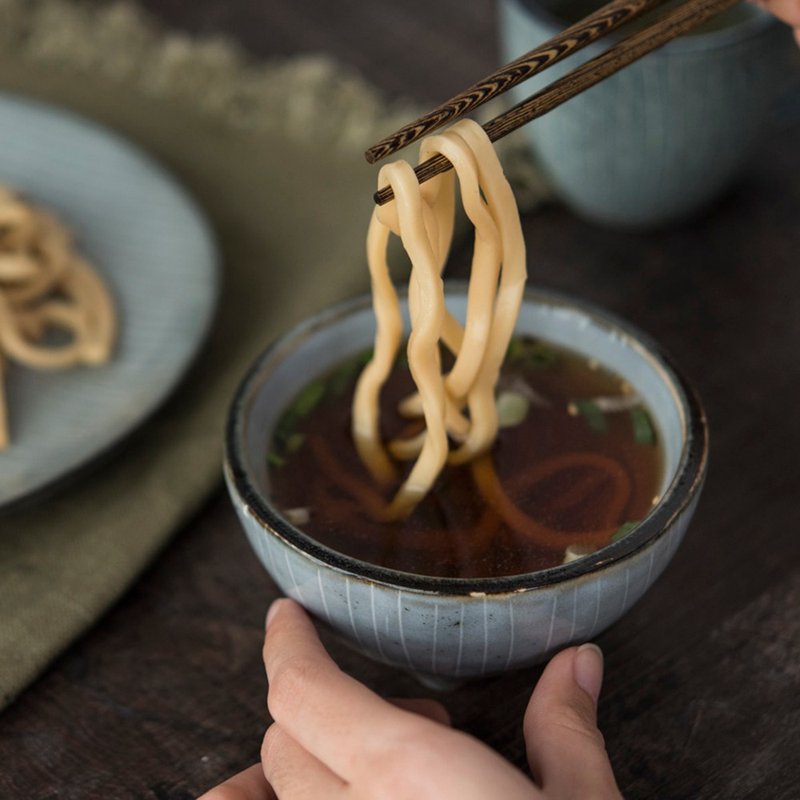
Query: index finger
(333, 716)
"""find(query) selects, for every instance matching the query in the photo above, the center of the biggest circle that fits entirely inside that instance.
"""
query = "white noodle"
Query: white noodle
(45, 285)
(422, 215)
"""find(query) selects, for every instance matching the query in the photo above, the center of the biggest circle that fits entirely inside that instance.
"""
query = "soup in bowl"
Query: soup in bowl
(479, 601)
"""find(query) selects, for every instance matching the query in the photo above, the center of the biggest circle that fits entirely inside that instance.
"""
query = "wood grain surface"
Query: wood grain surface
(563, 44)
(675, 22)
(165, 696)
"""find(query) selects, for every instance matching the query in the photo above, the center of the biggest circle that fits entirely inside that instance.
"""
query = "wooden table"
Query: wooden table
(166, 695)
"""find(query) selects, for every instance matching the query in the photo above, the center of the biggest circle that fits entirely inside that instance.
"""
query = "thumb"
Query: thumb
(566, 751)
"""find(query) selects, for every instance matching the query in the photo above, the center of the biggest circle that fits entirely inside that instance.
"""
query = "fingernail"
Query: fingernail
(587, 668)
(273, 609)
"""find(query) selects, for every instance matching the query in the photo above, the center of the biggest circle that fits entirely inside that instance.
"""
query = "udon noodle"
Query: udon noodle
(458, 406)
(55, 311)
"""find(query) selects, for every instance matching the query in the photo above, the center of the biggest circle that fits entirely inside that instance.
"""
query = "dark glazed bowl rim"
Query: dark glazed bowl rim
(759, 23)
(686, 484)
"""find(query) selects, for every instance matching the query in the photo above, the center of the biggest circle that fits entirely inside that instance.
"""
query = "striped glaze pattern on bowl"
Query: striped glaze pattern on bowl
(450, 628)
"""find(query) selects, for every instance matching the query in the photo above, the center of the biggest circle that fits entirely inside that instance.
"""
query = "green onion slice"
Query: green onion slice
(275, 459)
(643, 431)
(531, 352)
(512, 408)
(594, 417)
(308, 399)
(623, 530)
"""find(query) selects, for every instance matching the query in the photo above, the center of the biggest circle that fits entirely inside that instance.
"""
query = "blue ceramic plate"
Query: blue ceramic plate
(155, 250)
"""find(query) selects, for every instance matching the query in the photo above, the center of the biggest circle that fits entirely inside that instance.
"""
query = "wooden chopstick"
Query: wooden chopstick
(574, 38)
(683, 18)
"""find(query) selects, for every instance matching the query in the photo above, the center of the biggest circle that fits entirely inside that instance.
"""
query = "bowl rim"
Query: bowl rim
(759, 22)
(677, 497)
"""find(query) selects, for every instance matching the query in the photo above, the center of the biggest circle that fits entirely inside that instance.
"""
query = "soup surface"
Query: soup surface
(576, 462)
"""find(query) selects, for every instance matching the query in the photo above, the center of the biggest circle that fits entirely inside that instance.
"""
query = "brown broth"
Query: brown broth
(454, 532)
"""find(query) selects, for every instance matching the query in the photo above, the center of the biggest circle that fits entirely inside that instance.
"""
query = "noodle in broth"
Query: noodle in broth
(422, 216)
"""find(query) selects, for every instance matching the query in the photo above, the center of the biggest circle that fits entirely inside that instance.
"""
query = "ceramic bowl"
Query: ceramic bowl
(666, 135)
(450, 628)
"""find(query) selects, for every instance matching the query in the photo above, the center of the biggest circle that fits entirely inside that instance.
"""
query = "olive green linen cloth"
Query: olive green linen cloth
(273, 155)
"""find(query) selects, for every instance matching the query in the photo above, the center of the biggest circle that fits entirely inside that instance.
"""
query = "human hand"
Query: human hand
(332, 737)
(787, 10)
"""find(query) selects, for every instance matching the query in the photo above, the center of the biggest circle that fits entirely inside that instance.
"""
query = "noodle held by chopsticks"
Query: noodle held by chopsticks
(422, 216)
(55, 311)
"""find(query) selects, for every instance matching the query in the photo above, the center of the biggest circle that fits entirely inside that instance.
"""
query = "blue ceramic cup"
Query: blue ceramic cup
(663, 137)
